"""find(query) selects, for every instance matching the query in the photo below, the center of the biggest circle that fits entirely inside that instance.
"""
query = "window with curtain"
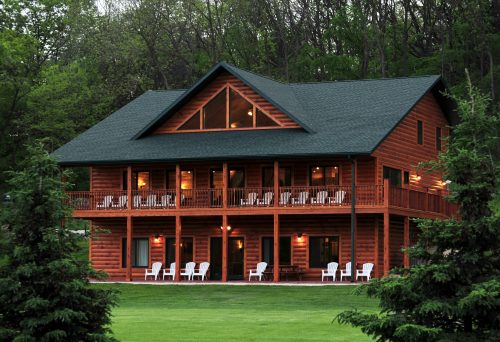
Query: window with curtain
(140, 252)
(324, 175)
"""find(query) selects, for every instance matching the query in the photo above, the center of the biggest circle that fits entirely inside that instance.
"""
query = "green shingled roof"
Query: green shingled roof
(337, 118)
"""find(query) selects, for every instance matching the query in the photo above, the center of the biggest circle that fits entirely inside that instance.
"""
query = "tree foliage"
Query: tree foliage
(455, 294)
(66, 64)
(44, 290)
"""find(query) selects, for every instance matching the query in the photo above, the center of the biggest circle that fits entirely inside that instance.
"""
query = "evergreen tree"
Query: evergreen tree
(455, 294)
(44, 291)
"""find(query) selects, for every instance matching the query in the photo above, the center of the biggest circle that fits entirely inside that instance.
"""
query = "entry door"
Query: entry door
(215, 258)
(236, 258)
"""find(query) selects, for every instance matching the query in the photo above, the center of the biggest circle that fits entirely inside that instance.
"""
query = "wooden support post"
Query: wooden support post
(178, 193)
(276, 183)
(376, 248)
(178, 238)
(406, 241)
(386, 193)
(129, 187)
(353, 219)
(129, 248)
(225, 180)
(224, 247)
(387, 261)
(276, 261)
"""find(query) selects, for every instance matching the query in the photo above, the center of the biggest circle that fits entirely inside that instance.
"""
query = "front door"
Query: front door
(215, 258)
(236, 258)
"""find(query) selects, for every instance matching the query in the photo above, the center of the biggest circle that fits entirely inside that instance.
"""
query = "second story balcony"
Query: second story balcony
(293, 197)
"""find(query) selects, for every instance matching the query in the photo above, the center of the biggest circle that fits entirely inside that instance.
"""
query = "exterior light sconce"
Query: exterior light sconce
(157, 238)
(228, 228)
(299, 237)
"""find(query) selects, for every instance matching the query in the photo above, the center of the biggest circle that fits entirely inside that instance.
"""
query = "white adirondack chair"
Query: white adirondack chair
(321, 197)
(346, 272)
(122, 202)
(338, 198)
(155, 270)
(150, 202)
(189, 270)
(268, 198)
(106, 202)
(285, 197)
(331, 271)
(171, 272)
(202, 271)
(365, 272)
(259, 272)
(137, 201)
(250, 200)
(302, 199)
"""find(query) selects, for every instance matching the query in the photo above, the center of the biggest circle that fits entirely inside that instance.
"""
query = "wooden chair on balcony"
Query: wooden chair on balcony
(321, 197)
(267, 200)
(106, 202)
(121, 204)
(250, 200)
(285, 197)
(338, 199)
(301, 199)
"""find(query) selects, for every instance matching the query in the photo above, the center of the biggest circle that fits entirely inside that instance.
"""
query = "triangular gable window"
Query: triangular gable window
(191, 124)
(242, 114)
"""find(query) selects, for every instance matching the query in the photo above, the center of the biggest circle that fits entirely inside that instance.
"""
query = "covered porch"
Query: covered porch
(234, 245)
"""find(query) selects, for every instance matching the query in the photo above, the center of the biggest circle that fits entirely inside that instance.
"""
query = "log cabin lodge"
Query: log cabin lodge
(240, 169)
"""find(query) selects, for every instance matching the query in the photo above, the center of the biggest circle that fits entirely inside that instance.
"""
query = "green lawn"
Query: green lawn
(235, 313)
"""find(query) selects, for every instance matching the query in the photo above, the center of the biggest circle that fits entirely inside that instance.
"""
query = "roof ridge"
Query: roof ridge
(256, 74)
(367, 79)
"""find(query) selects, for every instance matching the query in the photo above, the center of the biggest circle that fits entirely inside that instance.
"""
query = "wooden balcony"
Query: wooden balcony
(258, 199)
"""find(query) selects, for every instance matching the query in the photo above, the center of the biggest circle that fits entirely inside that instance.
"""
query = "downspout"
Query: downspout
(353, 217)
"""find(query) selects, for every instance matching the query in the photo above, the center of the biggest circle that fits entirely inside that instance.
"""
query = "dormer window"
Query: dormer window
(228, 109)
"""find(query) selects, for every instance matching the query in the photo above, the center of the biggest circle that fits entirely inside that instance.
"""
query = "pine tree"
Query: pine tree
(45, 294)
(455, 294)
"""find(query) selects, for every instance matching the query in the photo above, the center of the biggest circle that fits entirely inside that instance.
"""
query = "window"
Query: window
(393, 175)
(140, 180)
(406, 178)
(285, 250)
(187, 179)
(186, 250)
(237, 178)
(170, 179)
(263, 120)
(420, 132)
(140, 252)
(285, 176)
(240, 111)
(438, 138)
(214, 113)
(228, 110)
(124, 180)
(322, 250)
(192, 123)
(324, 175)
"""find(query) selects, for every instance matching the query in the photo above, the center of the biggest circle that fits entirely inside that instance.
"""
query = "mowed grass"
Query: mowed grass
(235, 313)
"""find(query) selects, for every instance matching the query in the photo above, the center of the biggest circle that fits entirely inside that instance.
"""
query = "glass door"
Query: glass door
(215, 258)
(236, 258)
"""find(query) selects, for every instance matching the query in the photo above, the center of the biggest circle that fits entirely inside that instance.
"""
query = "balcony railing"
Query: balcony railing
(256, 197)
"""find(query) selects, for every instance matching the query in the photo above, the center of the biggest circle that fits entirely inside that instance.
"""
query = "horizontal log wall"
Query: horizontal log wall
(400, 149)
(111, 178)
(212, 89)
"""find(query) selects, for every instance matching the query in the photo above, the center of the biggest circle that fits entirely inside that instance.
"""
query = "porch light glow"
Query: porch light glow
(250, 112)
(299, 237)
